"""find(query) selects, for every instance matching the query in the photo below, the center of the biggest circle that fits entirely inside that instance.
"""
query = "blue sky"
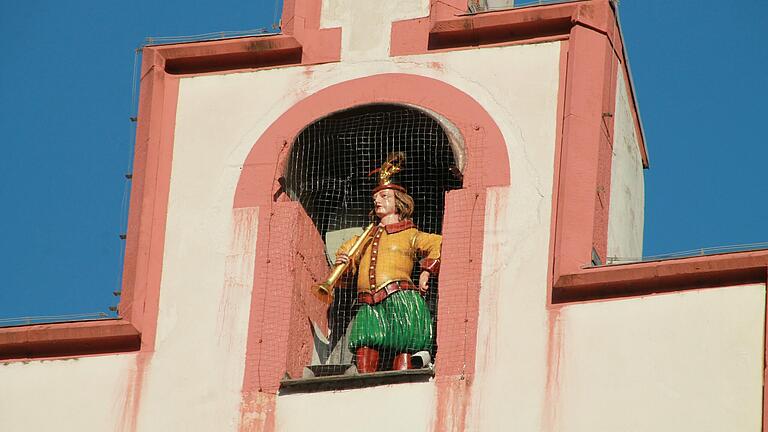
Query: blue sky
(66, 78)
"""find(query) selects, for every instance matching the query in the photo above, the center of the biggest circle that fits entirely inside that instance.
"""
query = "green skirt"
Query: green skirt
(401, 323)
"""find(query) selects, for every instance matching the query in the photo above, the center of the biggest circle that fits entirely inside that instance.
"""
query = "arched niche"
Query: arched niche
(329, 172)
(277, 307)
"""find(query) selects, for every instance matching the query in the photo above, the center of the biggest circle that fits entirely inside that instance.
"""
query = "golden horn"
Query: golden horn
(327, 287)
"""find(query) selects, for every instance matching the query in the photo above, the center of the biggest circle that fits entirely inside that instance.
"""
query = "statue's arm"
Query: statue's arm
(428, 247)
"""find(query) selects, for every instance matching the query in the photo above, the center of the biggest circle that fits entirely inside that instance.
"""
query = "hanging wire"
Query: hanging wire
(276, 16)
(163, 40)
(128, 176)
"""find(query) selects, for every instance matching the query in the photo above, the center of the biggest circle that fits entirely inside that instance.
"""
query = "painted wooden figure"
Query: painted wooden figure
(393, 316)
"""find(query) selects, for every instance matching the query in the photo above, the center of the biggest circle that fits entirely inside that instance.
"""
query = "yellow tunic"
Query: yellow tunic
(390, 254)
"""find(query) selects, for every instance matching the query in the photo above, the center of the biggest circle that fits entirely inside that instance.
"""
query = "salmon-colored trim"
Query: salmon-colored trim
(231, 54)
(445, 30)
(145, 238)
(662, 276)
(66, 339)
(584, 164)
(440, 9)
(488, 165)
(418, 36)
(605, 153)
(302, 42)
(301, 19)
(492, 169)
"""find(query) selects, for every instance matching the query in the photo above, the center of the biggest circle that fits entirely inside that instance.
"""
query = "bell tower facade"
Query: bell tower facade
(535, 112)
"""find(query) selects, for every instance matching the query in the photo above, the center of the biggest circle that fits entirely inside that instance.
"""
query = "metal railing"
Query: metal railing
(165, 40)
(49, 319)
(715, 250)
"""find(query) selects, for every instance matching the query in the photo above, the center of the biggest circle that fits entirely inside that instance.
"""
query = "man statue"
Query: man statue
(393, 318)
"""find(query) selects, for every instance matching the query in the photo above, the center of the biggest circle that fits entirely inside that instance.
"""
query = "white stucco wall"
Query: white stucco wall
(398, 407)
(689, 361)
(627, 203)
(79, 394)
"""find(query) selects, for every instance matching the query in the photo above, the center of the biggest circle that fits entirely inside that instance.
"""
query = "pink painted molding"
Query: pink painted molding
(65, 339)
(243, 53)
(662, 276)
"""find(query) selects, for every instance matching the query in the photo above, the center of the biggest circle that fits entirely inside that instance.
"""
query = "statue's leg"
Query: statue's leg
(402, 362)
(367, 360)
(409, 327)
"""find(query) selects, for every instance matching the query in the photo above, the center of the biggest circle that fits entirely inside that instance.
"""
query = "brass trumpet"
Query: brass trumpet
(327, 287)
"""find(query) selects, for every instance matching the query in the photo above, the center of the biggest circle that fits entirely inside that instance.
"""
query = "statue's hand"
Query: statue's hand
(424, 281)
(342, 258)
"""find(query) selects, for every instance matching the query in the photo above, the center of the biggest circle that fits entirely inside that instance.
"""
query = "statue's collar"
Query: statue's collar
(399, 226)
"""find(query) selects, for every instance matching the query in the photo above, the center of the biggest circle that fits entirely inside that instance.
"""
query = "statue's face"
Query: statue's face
(384, 203)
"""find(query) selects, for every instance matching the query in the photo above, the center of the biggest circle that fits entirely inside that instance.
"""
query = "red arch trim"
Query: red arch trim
(486, 151)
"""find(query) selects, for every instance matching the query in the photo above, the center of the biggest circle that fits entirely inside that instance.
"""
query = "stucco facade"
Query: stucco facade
(625, 221)
(543, 119)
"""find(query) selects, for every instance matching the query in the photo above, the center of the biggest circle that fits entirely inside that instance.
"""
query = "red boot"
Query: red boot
(367, 360)
(402, 362)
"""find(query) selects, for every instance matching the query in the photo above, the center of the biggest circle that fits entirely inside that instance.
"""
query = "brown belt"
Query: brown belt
(388, 289)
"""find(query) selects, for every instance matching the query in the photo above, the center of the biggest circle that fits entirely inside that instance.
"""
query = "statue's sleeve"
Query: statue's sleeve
(346, 246)
(428, 246)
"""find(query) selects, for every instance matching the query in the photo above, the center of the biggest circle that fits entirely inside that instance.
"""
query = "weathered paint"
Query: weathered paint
(625, 221)
(132, 390)
(689, 361)
(512, 332)
(204, 302)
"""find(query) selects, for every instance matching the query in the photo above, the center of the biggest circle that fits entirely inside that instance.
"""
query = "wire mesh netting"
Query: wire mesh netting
(377, 304)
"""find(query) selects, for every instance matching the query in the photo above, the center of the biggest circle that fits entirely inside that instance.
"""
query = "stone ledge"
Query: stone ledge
(354, 381)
